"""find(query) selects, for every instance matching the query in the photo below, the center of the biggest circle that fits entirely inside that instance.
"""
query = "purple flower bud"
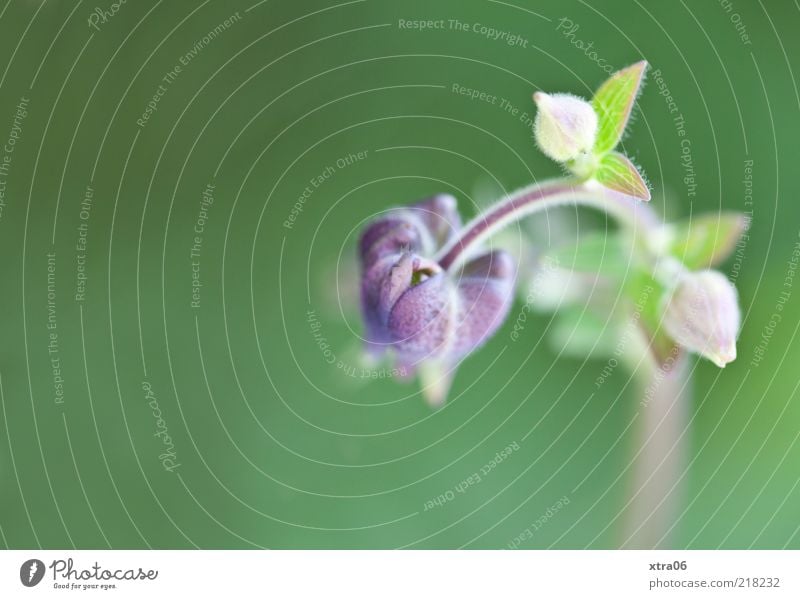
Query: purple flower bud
(414, 307)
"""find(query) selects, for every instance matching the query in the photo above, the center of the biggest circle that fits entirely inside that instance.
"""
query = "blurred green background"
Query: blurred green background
(271, 444)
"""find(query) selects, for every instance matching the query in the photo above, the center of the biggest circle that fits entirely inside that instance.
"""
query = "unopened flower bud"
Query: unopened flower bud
(428, 317)
(565, 126)
(702, 314)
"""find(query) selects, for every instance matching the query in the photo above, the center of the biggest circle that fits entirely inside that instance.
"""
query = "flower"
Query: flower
(430, 318)
(702, 314)
(565, 126)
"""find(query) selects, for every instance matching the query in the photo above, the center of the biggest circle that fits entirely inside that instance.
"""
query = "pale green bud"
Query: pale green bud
(565, 126)
(702, 314)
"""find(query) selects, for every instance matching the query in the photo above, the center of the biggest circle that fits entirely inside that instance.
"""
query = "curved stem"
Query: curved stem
(535, 198)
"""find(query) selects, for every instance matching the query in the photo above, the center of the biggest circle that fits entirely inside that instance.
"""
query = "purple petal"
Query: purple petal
(421, 228)
(440, 217)
(388, 237)
(419, 322)
(486, 292)
(444, 318)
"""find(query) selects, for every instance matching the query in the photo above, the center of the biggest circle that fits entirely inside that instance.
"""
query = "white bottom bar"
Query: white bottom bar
(403, 574)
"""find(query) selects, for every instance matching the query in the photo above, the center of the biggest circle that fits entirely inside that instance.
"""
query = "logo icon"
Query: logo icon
(31, 572)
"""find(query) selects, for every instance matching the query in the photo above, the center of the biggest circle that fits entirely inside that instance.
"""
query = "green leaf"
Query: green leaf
(598, 252)
(619, 174)
(578, 333)
(645, 294)
(613, 103)
(706, 240)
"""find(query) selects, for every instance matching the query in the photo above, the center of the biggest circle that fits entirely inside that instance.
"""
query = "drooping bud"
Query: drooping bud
(565, 126)
(428, 317)
(702, 314)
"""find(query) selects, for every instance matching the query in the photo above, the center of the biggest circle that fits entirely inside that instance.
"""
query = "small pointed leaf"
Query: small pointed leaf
(707, 240)
(618, 173)
(613, 103)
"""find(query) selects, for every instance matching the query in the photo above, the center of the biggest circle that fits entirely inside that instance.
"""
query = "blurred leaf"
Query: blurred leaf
(619, 174)
(706, 240)
(579, 333)
(598, 252)
(435, 377)
(613, 103)
(646, 293)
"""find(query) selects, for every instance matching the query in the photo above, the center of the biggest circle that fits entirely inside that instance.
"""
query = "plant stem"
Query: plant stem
(659, 466)
(539, 197)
